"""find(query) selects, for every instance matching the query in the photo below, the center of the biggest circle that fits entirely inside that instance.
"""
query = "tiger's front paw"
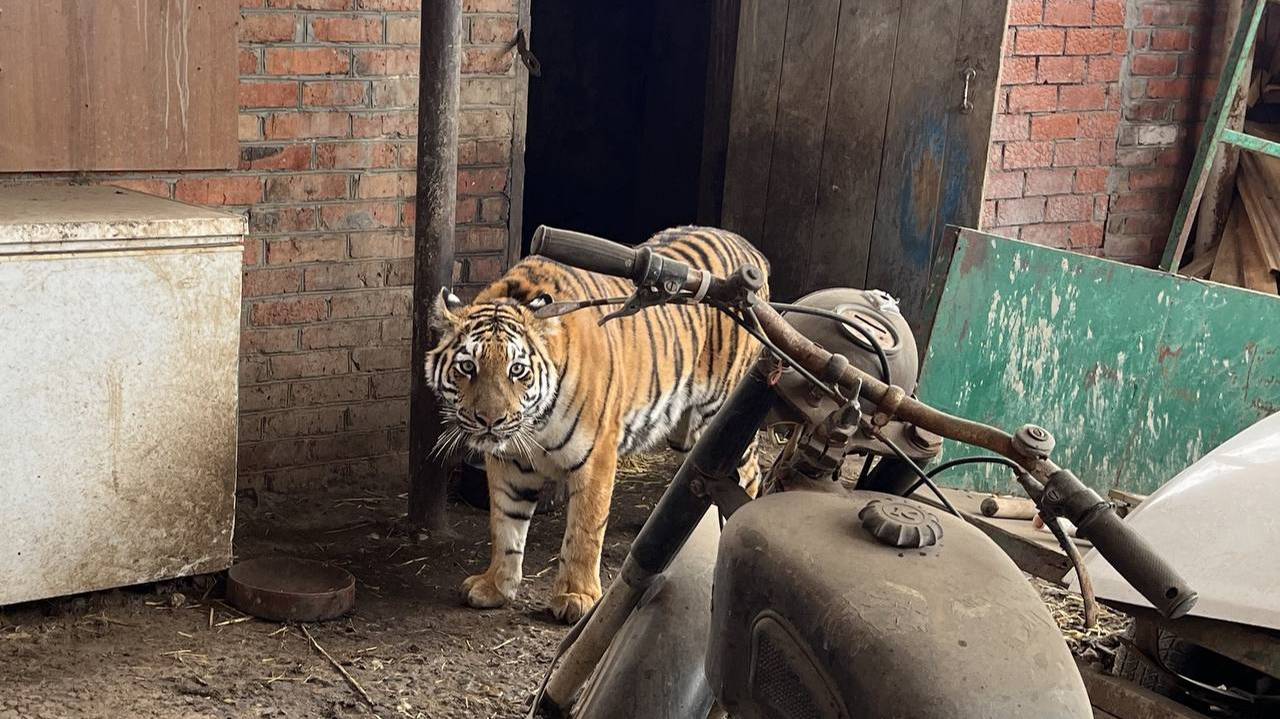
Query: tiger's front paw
(482, 592)
(569, 607)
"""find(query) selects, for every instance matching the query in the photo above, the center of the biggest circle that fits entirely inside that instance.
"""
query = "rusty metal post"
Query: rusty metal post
(439, 72)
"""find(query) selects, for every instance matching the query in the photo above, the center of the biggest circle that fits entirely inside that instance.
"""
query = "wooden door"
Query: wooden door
(850, 143)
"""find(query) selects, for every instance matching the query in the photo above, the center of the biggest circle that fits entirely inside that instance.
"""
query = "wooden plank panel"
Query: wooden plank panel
(1111, 358)
(761, 29)
(915, 151)
(797, 143)
(722, 48)
(118, 85)
(854, 143)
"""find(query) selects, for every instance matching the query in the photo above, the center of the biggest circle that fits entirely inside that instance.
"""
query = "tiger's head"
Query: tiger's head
(493, 372)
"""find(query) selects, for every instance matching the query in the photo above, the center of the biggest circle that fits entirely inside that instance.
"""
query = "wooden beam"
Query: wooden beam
(439, 74)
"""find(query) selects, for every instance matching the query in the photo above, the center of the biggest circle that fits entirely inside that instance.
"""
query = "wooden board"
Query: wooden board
(854, 142)
(1137, 373)
(118, 85)
(756, 79)
(803, 91)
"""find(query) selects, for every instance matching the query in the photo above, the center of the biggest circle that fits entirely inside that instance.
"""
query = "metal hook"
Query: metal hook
(966, 105)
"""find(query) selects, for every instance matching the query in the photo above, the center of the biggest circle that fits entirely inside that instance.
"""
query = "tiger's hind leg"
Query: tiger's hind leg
(513, 495)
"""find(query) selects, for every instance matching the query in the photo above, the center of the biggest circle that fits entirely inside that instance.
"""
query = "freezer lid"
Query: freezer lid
(42, 218)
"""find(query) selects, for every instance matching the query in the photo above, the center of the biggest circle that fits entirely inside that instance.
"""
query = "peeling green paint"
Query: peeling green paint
(1136, 372)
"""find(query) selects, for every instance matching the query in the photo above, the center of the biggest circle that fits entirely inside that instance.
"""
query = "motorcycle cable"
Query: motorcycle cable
(871, 344)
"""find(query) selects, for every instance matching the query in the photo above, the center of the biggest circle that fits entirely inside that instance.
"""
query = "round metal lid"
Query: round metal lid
(899, 523)
(286, 589)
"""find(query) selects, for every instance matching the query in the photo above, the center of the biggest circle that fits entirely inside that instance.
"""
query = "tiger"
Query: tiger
(560, 399)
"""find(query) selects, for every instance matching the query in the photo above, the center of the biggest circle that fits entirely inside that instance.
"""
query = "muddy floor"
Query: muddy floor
(176, 650)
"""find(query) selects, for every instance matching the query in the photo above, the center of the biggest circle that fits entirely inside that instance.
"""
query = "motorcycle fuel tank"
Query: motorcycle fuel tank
(867, 605)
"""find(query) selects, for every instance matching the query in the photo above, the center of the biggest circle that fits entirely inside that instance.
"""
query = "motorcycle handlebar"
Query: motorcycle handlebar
(1064, 494)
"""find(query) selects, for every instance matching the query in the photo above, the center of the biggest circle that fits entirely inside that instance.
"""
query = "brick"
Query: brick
(302, 423)
(1068, 12)
(400, 329)
(483, 239)
(1082, 97)
(1022, 211)
(494, 29)
(288, 312)
(494, 60)
(1086, 234)
(1164, 14)
(987, 216)
(252, 370)
(361, 28)
(488, 91)
(263, 396)
(493, 152)
(1076, 153)
(382, 185)
(494, 210)
(386, 62)
(1179, 89)
(249, 429)
(1057, 126)
(1099, 125)
(484, 123)
(307, 61)
(268, 27)
(1033, 98)
(267, 94)
(353, 333)
(373, 359)
(296, 125)
(1170, 40)
(391, 5)
(271, 282)
(310, 187)
(395, 92)
(345, 276)
(1153, 178)
(489, 6)
(266, 341)
(349, 445)
(372, 415)
(335, 93)
(1020, 155)
(1038, 41)
(346, 388)
(355, 155)
(253, 252)
(1062, 208)
(1148, 65)
(1010, 127)
(483, 269)
(385, 124)
(359, 216)
(391, 384)
(275, 157)
(1049, 235)
(309, 364)
(1104, 68)
(1091, 179)
(1131, 201)
(1049, 182)
(249, 128)
(374, 303)
(1093, 41)
(327, 248)
(1026, 12)
(1003, 185)
(247, 61)
(403, 31)
(381, 245)
(313, 4)
(1067, 69)
(482, 181)
(159, 188)
(219, 190)
(1108, 12)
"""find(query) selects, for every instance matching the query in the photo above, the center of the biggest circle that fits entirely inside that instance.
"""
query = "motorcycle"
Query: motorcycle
(824, 598)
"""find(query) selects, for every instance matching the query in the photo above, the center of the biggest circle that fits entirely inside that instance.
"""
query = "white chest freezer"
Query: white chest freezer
(119, 343)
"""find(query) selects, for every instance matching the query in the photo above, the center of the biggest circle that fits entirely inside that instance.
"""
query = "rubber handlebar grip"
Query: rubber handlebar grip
(1138, 563)
(588, 252)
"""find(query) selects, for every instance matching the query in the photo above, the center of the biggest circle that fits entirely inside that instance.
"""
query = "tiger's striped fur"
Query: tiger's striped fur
(562, 398)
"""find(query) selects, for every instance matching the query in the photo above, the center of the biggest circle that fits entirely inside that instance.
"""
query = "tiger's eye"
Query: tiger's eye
(519, 372)
(466, 367)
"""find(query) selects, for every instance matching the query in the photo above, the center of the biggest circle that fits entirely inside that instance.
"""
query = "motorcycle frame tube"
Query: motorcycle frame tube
(715, 454)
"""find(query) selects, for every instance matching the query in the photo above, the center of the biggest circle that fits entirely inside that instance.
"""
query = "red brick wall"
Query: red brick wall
(1095, 122)
(328, 94)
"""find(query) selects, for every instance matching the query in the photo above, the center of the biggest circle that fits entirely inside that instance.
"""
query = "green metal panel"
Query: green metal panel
(1136, 372)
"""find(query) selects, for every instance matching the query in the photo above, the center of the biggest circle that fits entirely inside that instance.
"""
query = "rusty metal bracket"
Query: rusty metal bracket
(724, 492)
(526, 55)
(887, 407)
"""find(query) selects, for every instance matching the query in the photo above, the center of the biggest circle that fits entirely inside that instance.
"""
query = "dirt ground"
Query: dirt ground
(174, 649)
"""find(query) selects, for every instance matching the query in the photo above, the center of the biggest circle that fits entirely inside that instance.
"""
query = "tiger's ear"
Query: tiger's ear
(443, 318)
(537, 303)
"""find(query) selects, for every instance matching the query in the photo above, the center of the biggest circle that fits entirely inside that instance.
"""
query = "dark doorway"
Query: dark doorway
(614, 139)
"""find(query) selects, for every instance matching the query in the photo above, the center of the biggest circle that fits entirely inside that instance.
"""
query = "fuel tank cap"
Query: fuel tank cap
(899, 523)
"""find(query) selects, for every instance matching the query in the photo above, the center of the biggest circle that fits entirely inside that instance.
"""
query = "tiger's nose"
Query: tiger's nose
(491, 422)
